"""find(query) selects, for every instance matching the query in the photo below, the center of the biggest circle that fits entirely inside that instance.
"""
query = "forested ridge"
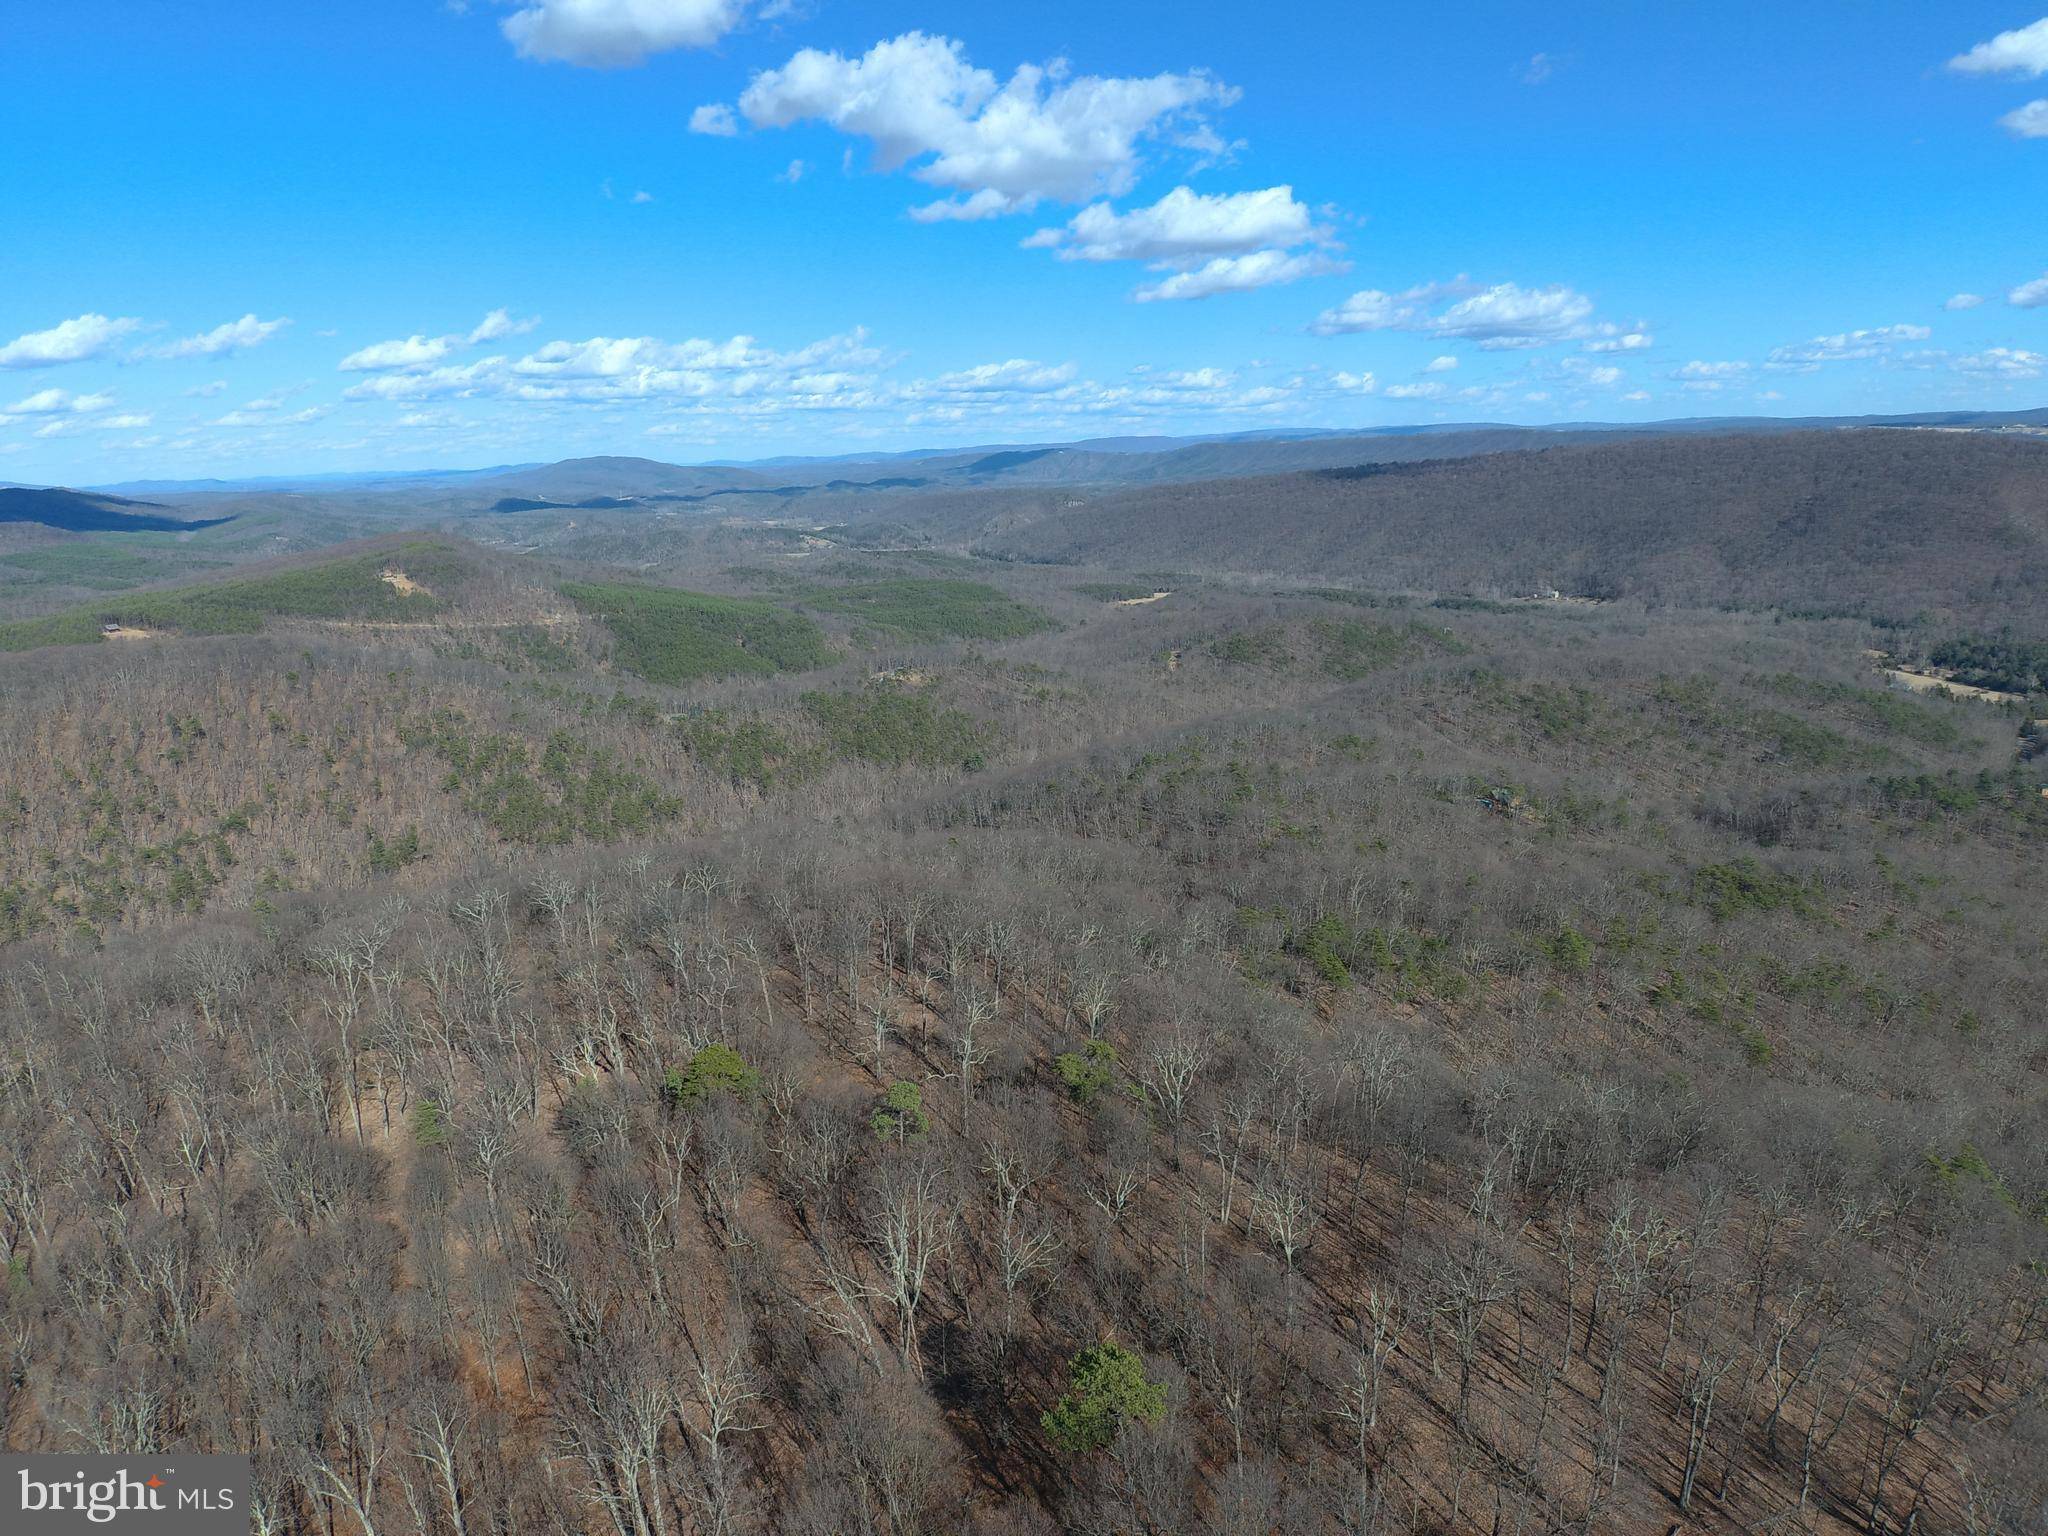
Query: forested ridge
(1179, 1028)
(1882, 524)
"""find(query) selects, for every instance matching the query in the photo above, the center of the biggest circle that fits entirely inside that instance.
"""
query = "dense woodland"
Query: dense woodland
(726, 1027)
(1882, 524)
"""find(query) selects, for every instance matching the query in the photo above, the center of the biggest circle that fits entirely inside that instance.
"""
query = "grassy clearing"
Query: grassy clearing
(671, 636)
(933, 609)
(336, 589)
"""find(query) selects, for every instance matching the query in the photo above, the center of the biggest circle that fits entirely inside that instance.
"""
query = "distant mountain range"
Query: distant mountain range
(610, 481)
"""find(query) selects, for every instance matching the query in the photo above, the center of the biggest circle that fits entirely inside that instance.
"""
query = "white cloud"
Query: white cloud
(2022, 51)
(499, 322)
(1183, 225)
(1198, 378)
(2003, 363)
(1964, 301)
(1844, 346)
(262, 413)
(794, 173)
(74, 341)
(1637, 395)
(605, 368)
(613, 33)
(1441, 365)
(1699, 375)
(1508, 316)
(234, 336)
(1238, 274)
(1540, 68)
(1603, 375)
(54, 402)
(414, 352)
(1213, 243)
(1000, 146)
(1615, 339)
(2028, 122)
(207, 391)
(2030, 295)
(1367, 310)
(1427, 391)
(417, 353)
(1019, 373)
(1502, 317)
(60, 414)
(1363, 383)
(715, 119)
(643, 197)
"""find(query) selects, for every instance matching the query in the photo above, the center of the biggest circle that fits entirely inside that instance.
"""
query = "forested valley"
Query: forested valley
(1196, 1009)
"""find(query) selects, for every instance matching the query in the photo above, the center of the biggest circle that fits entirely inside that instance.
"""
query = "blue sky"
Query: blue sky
(251, 238)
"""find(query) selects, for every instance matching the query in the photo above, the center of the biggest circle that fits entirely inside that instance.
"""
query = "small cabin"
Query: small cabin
(110, 628)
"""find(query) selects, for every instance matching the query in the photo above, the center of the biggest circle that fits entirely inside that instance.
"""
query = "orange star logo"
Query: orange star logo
(154, 1481)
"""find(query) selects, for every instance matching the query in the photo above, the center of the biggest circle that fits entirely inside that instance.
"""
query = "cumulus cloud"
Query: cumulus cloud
(59, 413)
(706, 390)
(73, 341)
(998, 146)
(1425, 391)
(715, 119)
(1617, 339)
(1183, 224)
(418, 353)
(1805, 356)
(2022, 51)
(1238, 274)
(1508, 316)
(1018, 374)
(207, 391)
(1698, 375)
(610, 34)
(2030, 295)
(1964, 301)
(606, 368)
(414, 352)
(1369, 309)
(1584, 371)
(2003, 363)
(262, 413)
(2028, 122)
(499, 322)
(1228, 242)
(1504, 316)
(1441, 365)
(53, 402)
(222, 340)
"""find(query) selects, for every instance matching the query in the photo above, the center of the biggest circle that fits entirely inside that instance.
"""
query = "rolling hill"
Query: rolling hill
(1886, 523)
(91, 512)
